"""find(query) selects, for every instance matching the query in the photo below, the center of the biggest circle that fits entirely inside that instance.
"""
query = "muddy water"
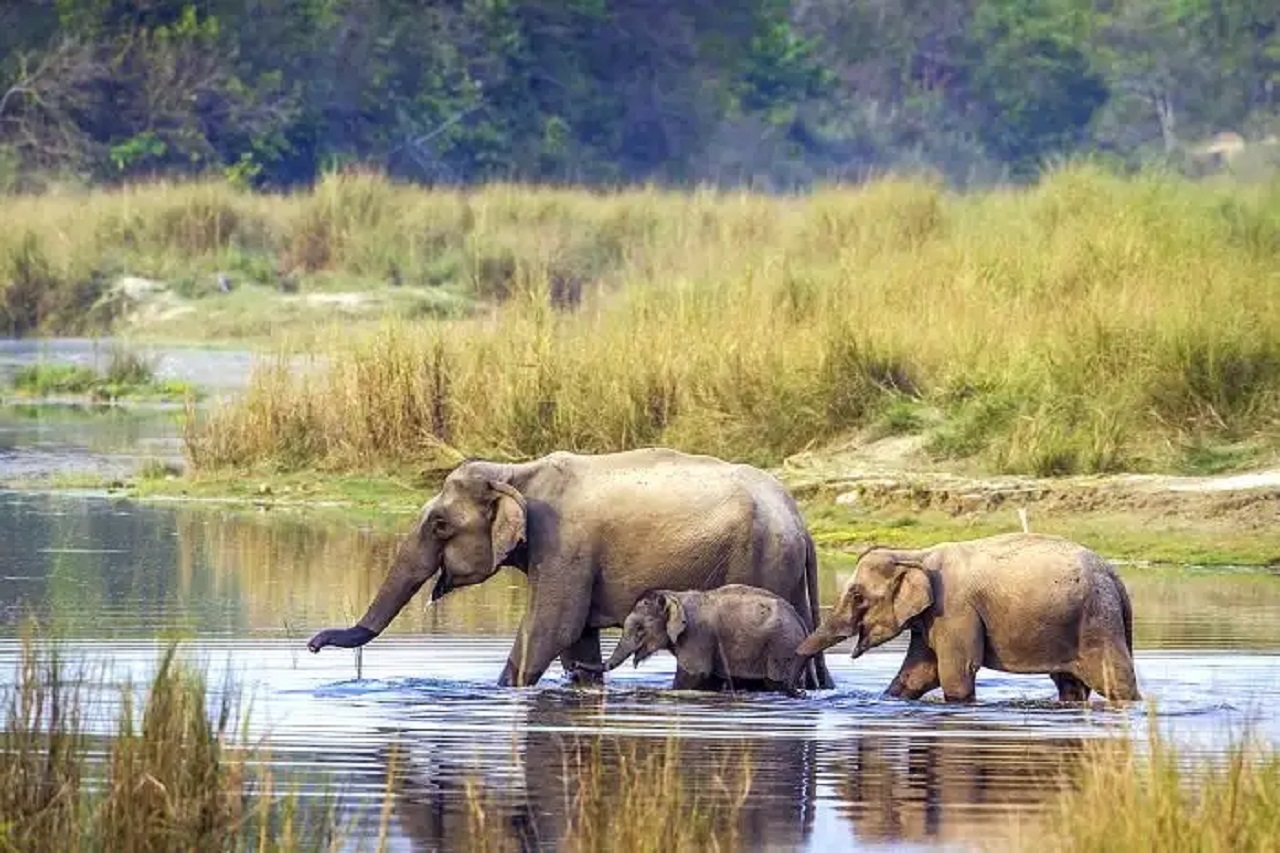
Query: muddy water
(830, 770)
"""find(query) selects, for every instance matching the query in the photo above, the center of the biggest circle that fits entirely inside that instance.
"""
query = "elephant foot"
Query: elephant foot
(1070, 688)
(789, 690)
(511, 678)
(584, 676)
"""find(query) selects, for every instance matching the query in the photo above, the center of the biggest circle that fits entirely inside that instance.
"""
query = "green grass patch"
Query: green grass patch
(360, 496)
(843, 528)
(1205, 457)
(127, 376)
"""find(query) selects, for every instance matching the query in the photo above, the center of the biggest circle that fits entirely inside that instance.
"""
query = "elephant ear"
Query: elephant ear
(676, 621)
(509, 522)
(912, 593)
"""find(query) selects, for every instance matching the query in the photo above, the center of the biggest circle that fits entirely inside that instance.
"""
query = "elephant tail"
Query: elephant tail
(821, 675)
(1126, 613)
(811, 579)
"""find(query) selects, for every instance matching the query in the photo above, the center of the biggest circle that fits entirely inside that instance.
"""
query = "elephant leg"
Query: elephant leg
(816, 676)
(959, 649)
(785, 687)
(546, 630)
(1070, 688)
(918, 673)
(820, 675)
(586, 649)
(685, 680)
(1109, 670)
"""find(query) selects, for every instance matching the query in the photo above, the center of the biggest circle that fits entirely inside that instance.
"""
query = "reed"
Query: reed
(171, 777)
(1135, 796)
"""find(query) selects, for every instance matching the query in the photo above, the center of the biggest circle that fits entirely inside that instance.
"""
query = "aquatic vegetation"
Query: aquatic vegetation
(1135, 796)
(127, 375)
(173, 777)
(1089, 323)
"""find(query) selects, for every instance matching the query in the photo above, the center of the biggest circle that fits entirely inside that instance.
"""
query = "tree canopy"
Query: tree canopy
(765, 92)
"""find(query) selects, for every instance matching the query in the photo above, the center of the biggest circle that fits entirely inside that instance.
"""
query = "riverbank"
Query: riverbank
(1226, 520)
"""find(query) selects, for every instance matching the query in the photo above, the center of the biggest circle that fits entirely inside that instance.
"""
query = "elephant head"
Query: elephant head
(887, 591)
(655, 623)
(464, 535)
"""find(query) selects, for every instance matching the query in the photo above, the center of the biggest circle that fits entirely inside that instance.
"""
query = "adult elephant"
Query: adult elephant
(593, 533)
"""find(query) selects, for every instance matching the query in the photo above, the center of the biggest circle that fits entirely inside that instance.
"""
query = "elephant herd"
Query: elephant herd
(712, 561)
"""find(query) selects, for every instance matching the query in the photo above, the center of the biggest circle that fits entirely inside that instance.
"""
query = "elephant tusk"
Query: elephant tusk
(443, 587)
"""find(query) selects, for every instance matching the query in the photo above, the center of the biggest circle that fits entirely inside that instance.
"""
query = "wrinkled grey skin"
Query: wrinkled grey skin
(593, 533)
(736, 636)
(1018, 602)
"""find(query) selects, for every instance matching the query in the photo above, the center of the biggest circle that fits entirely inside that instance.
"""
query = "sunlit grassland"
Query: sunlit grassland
(1089, 323)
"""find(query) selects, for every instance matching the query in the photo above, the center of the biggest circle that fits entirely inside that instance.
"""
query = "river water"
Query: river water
(423, 719)
(246, 588)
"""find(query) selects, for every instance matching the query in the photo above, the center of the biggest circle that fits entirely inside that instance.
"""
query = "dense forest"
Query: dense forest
(770, 93)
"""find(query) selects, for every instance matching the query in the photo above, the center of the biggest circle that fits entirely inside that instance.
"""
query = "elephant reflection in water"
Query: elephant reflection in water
(917, 786)
(445, 802)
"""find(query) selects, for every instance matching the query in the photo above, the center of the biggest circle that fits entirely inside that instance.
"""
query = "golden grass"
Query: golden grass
(175, 779)
(1087, 323)
(1127, 799)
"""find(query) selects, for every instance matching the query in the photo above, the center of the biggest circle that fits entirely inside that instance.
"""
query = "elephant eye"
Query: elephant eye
(439, 526)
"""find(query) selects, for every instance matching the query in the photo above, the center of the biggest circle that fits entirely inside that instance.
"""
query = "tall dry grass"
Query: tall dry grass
(174, 777)
(1131, 799)
(61, 253)
(1088, 323)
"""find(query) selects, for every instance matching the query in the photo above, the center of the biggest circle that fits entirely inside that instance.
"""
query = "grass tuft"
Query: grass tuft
(127, 375)
(178, 779)
(1087, 323)
(1127, 798)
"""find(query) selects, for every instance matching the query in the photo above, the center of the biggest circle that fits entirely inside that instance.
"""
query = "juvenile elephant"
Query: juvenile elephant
(1016, 602)
(736, 636)
(593, 533)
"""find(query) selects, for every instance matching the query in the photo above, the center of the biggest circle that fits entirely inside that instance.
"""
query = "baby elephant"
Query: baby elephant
(1016, 603)
(735, 636)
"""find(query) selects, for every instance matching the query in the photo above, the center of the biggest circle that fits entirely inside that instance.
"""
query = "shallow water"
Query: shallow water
(53, 438)
(212, 369)
(835, 768)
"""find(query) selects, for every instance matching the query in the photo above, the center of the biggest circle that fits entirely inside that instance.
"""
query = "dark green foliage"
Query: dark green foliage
(768, 92)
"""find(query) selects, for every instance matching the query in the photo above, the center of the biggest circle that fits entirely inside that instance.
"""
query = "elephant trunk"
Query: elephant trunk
(626, 648)
(820, 640)
(416, 562)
